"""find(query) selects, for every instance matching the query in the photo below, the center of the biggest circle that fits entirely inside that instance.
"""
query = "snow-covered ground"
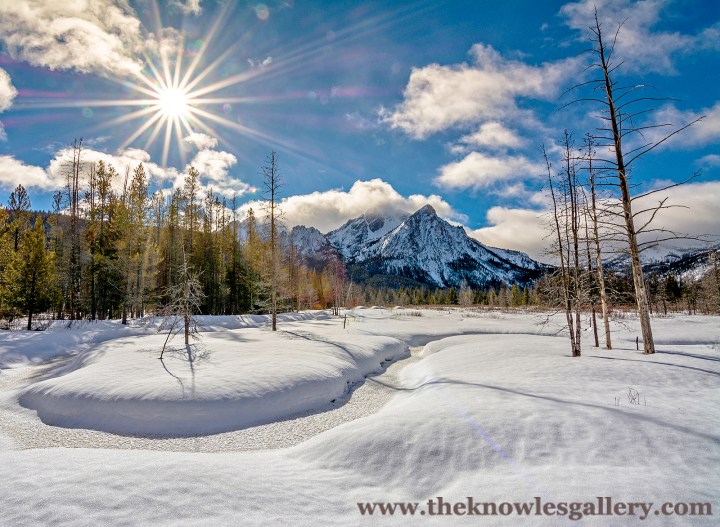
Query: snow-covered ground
(489, 406)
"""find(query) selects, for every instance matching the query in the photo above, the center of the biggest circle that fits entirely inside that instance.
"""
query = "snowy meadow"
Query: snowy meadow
(297, 427)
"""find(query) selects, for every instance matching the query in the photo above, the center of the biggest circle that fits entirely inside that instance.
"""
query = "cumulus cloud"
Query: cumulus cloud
(200, 141)
(187, 7)
(214, 168)
(697, 214)
(478, 170)
(518, 229)
(330, 209)
(123, 162)
(638, 44)
(527, 229)
(7, 94)
(99, 36)
(7, 91)
(14, 173)
(439, 97)
(492, 135)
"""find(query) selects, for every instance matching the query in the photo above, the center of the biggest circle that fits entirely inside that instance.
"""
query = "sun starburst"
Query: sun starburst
(178, 93)
(172, 102)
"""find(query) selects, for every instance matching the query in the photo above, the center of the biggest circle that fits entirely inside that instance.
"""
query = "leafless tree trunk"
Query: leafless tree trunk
(566, 226)
(598, 252)
(621, 170)
(272, 186)
(185, 298)
(73, 192)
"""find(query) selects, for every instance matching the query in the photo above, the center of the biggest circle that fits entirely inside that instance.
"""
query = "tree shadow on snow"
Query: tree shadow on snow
(691, 355)
(313, 338)
(191, 354)
(710, 372)
(609, 409)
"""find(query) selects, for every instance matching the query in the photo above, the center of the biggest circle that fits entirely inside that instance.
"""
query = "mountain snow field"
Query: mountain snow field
(489, 405)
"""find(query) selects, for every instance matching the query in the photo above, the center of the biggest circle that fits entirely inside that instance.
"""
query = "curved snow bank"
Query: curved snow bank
(234, 379)
(65, 337)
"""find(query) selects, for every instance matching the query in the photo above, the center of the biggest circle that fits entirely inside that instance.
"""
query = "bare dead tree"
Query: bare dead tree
(566, 226)
(593, 217)
(273, 183)
(184, 300)
(72, 173)
(619, 115)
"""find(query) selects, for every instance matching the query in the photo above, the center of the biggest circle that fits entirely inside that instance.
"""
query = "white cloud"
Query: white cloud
(123, 162)
(638, 45)
(99, 36)
(200, 141)
(703, 132)
(526, 229)
(696, 215)
(478, 170)
(669, 118)
(7, 94)
(709, 161)
(518, 229)
(137, 153)
(492, 135)
(188, 7)
(214, 168)
(14, 173)
(440, 97)
(330, 209)
(7, 91)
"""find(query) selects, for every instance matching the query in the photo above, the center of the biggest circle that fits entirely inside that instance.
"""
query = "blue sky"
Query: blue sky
(370, 105)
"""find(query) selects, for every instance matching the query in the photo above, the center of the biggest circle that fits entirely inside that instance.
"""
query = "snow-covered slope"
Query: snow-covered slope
(427, 249)
(311, 245)
(687, 264)
(360, 232)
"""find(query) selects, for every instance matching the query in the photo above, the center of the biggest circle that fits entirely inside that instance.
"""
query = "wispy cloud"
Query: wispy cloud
(188, 7)
(704, 132)
(642, 47)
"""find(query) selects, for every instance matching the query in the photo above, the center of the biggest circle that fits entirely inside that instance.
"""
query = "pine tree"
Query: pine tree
(30, 275)
(18, 206)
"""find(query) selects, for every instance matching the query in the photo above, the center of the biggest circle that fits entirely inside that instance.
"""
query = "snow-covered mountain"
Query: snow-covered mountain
(311, 245)
(408, 249)
(687, 264)
(360, 232)
(426, 249)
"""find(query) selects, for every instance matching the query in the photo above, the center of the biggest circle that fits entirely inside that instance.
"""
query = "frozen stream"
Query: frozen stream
(26, 431)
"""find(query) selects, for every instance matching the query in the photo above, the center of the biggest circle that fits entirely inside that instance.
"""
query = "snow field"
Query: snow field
(495, 409)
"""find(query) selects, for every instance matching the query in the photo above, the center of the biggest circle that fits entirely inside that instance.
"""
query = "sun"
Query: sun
(173, 102)
(177, 93)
